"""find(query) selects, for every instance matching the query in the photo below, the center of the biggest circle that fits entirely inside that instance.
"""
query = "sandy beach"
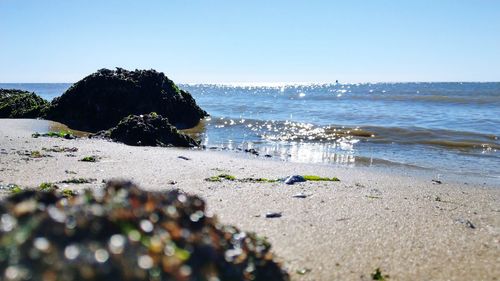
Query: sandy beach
(405, 225)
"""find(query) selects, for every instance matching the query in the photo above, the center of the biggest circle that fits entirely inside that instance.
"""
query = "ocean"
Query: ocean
(443, 127)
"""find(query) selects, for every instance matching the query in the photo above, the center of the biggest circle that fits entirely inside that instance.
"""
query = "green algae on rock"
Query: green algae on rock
(100, 100)
(16, 189)
(124, 233)
(11, 187)
(21, 104)
(47, 186)
(147, 130)
(68, 192)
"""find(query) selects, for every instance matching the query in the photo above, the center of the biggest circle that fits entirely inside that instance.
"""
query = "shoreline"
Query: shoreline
(399, 222)
(375, 165)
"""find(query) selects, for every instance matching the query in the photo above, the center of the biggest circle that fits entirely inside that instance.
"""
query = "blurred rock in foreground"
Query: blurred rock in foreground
(124, 233)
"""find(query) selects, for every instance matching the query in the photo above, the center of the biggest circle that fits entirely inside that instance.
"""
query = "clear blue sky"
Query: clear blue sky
(252, 41)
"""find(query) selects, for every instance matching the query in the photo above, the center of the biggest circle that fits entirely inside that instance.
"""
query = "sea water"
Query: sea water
(447, 127)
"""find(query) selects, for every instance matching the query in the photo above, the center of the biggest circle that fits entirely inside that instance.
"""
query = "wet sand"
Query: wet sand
(403, 224)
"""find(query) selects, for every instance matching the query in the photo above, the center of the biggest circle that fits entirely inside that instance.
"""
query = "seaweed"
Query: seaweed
(377, 275)
(11, 187)
(55, 134)
(47, 186)
(89, 159)
(221, 177)
(36, 154)
(213, 179)
(68, 193)
(32, 154)
(318, 178)
(15, 189)
(257, 180)
(58, 149)
(227, 177)
(78, 180)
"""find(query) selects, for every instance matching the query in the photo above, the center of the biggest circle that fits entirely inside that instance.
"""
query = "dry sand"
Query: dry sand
(401, 223)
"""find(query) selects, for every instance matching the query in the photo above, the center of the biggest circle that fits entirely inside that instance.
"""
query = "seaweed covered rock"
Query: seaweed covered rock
(147, 130)
(21, 104)
(124, 233)
(102, 99)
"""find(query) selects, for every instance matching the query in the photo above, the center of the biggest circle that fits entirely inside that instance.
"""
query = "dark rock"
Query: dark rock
(147, 130)
(273, 215)
(21, 104)
(252, 151)
(124, 233)
(69, 137)
(293, 179)
(102, 99)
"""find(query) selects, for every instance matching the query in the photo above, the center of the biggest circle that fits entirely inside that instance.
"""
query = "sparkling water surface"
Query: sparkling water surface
(448, 127)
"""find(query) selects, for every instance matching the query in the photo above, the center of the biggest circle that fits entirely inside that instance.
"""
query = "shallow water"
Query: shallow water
(449, 127)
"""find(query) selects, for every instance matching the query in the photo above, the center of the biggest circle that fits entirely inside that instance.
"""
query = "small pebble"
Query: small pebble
(293, 179)
(252, 151)
(303, 271)
(299, 195)
(273, 215)
(467, 223)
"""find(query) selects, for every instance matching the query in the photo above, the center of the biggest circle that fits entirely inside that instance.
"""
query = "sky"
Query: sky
(223, 41)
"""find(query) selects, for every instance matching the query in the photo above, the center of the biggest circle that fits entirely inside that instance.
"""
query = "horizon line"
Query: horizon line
(281, 84)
